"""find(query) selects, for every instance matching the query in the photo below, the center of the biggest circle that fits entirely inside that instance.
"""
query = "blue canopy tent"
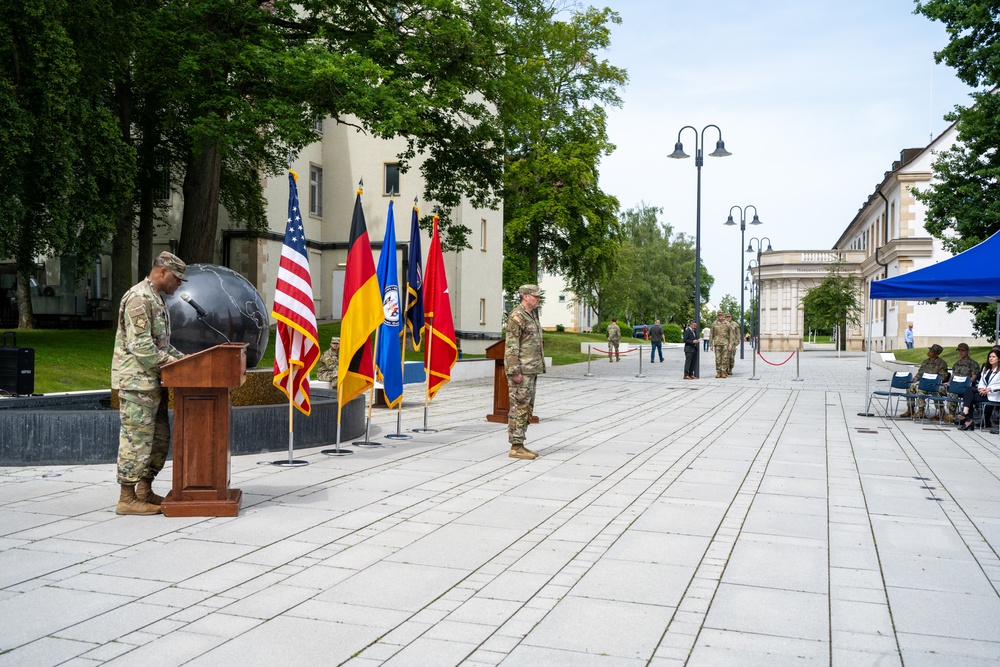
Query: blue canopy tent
(972, 276)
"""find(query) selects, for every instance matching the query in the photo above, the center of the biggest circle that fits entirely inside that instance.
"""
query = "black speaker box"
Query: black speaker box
(17, 366)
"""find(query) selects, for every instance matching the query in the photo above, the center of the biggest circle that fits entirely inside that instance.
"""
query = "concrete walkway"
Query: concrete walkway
(667, 522)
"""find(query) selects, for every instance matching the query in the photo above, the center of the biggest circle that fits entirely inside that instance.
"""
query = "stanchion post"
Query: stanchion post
(755, 353)
(588, 374)
(798, 375)
(639, 374)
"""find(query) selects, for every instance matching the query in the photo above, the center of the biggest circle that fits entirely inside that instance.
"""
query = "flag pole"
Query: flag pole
(337, 451)
(291, 462)
(427, 372)
(371, 402)
(399, 435)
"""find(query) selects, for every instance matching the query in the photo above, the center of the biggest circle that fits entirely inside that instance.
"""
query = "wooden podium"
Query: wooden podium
(202, 384)
(501, 390)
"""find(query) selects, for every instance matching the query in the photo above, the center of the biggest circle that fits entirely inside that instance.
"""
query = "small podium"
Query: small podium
(202, 384)
(501, 390)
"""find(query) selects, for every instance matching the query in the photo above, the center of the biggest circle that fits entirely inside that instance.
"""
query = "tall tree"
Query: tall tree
(65, 171)
(963, 205)
(556, 217)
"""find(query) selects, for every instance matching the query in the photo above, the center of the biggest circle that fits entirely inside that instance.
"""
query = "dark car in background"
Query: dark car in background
(639, 330)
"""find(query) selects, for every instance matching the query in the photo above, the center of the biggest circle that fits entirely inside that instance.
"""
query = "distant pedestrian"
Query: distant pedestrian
(523, 362)
(656, 342)
(614, 339)
(908, 337)
(690, 350)
(706, 337)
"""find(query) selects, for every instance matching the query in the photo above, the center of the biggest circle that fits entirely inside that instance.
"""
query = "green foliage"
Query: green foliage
(560, 328)
(730, 306)
(836, 301)
(673, 333)
(655, 273)
(963, 205)
(556, 216)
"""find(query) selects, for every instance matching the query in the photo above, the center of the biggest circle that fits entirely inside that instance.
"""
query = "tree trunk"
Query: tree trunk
(147, 185)
(25, 314)
(201, 206)
(121, 243)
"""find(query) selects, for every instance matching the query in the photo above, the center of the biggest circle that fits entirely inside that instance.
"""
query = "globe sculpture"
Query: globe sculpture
(233, 310)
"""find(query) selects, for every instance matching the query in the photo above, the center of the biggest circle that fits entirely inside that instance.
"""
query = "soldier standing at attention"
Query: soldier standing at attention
(735, 336)
(614, 338)
(328, 363)
(721, 335)
(142, 345)
(523, 361)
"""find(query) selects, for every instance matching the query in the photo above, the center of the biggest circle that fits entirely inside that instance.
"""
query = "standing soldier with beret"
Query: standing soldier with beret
(523, 361)
(142, 346)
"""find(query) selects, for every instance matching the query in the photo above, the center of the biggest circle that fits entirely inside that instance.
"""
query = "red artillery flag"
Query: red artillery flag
(296, 348)
(361, 314)
(441, 351)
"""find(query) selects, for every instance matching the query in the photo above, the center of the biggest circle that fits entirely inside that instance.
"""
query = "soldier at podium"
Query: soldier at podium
(142, 345)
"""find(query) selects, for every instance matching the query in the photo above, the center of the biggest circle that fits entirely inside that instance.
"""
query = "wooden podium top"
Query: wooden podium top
(224, 365)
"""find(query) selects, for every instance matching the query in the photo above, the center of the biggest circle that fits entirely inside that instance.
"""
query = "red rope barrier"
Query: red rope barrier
(773, 364)
(600, 351)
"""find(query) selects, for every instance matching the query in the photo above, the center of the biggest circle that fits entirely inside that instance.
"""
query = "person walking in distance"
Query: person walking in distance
(908, 337)
(690, 350)
(614, 339)
(656, 342)
(523, 361)
(706, 337)
(142, 346)
(720, 343)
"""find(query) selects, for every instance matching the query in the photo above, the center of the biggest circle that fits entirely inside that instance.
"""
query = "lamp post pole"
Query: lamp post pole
(699, 160)
(760, 291)
(743, 228)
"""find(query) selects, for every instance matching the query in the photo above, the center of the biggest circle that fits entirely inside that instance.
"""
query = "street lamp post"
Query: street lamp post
(743, 228)
(750, 249)
(699, 160)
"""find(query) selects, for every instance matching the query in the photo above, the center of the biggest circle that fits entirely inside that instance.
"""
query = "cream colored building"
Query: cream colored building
(328, 175)
(561, 306)
(886, 238)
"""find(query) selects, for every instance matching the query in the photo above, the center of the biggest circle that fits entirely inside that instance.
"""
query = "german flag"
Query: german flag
(441, 351)
(361, 314)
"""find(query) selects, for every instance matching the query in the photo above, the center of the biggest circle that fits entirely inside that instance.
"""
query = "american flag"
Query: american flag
(296, 349)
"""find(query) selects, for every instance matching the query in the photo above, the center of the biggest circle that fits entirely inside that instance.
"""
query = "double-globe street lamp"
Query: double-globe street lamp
(760, 291)
(743, 228)
(699, 160)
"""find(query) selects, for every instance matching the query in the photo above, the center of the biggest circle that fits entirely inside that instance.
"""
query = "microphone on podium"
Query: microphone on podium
(186, 298)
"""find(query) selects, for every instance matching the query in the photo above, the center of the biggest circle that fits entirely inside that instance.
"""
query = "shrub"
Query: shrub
(600, 327)
(673, 333)
(560, 327)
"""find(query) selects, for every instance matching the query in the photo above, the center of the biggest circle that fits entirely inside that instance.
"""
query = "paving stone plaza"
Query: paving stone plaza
(666, 522)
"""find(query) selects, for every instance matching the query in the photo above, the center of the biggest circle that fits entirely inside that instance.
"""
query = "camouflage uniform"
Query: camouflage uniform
(734, 338)
(142, 345)
(963, 368)
(939, 366)
(523, 353)
(614, 338)
(326, 369)
(721, 340)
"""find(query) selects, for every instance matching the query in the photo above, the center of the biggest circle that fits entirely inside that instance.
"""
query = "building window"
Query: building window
(482, 234)
(562, 298)
(315, 190)
(391, 179)
(161, 189)
(318, 126)
(482, 311)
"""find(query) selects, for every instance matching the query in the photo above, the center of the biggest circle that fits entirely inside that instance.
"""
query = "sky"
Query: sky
(815, 101)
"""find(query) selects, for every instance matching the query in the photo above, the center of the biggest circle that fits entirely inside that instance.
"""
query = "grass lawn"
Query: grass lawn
(80, 360)
(918, 354)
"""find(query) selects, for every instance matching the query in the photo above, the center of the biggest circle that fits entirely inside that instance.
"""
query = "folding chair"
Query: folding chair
(957, 386)
(929, 384)
(897, 389)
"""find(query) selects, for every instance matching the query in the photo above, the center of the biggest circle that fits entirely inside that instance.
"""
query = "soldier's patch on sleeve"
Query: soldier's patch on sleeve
(140, 323)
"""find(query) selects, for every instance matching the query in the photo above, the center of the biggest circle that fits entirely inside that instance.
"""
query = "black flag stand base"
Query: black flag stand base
(336, 451)
(367, 442)
(290, 463)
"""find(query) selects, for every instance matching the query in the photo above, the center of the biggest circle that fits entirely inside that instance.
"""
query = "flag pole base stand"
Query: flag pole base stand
(371, 444)
(640, 375)
(424, 430)
(336, 452)
(399, 436)
(798, 379)
(588, 375)
(290, 463)
(867, 414)
(754, 378)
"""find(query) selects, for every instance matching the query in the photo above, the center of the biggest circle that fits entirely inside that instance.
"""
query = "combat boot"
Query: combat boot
(144, 492)
(519, 452)
(129, 504)
(947, 419)
(533, 454)
(908, 413)
(919, 415)
(936, 418)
